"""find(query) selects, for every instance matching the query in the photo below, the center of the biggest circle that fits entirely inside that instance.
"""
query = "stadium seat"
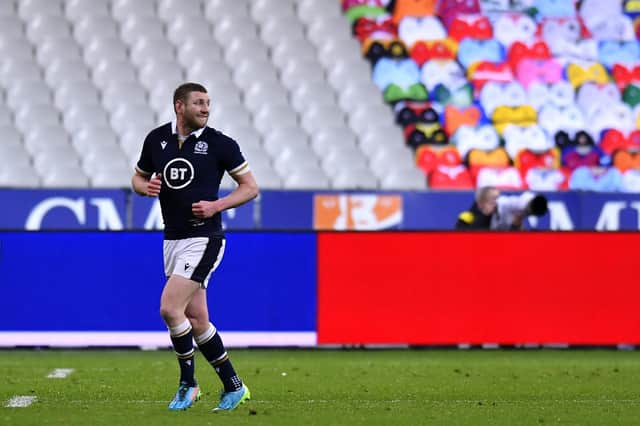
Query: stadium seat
(261, 94)
(292, 49)
(247, 137)
(279, 138)
(333, 51)
(45, 136)
(116, 175)
(296, 72)
(230, 115)
(120, 119)
(136, 27)
(16, 48)
(191, 50)
(351, 178)
(8, 9)
(60, 71)
(322, 97)
(13, 70)
(317, 90)
(114, 94)
(217, 9)
(322, 28)
(11, 27)
(6, 119)
(403, 179)
(377, 137)
(172, 9)
(242, 47)
(310, 10)
(212, 70)
(123, 9)
(343, 157)
(43, 26)
(183, 29)
(267, 177)
(105, 49)
(77, 117)
(271, 117)
(401, 157)
(322, 117)
(306, 179)
(256, 156)
(91, 27)
(276, 29)
(343, 71)
(76, 10)
(93, 139)
(69, 94)
(30, 8)
(131, 141)
(295, 158)
(47, 161)
(54, 49)
(361, 117)
(226, 28)
(161, 72)
(363, 93)
(104, 156)
(33, 93)
(262, 10)
(149, 49)
(15, 154)
(47, 114)
(19, 176)
(249, 69)
(330, 138)
(65, 177)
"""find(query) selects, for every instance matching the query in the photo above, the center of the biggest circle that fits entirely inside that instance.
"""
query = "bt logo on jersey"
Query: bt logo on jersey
(178, 173)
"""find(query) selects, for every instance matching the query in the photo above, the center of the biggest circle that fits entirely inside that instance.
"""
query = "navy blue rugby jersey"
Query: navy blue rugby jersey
(190, 174)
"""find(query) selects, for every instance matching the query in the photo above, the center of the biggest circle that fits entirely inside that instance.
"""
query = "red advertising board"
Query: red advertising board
(443, 288)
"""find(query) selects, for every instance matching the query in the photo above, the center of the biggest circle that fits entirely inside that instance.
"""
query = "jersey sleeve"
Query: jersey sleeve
(145, 163)
(233, 160)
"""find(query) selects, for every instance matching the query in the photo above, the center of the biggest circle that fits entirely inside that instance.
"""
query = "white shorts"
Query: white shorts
(193, 258)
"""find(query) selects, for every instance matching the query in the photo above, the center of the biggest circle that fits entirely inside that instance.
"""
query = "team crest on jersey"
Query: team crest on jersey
(201, 148)
(178, 173)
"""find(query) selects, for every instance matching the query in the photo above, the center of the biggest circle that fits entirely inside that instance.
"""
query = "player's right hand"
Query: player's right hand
(153, 185)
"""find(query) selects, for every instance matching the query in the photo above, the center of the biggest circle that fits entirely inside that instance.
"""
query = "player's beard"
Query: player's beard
(195, 122)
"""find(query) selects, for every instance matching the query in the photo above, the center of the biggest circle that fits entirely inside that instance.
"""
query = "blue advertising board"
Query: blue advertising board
(35, 209)
(295, 210)
(110, 282)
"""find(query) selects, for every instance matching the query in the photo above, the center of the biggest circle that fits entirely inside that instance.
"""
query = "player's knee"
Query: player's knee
(170, 315)
(200, 323)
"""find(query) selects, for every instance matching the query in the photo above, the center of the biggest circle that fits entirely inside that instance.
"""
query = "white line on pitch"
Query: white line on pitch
(60, 373)
(20, 401)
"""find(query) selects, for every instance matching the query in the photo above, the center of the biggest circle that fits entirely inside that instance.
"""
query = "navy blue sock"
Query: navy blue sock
(214, 351)
(182, 340)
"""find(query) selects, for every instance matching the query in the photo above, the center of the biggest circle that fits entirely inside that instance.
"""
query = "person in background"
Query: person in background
(494, 211)
(481, 211)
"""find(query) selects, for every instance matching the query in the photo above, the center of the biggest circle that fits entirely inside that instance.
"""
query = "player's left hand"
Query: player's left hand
(204, 209)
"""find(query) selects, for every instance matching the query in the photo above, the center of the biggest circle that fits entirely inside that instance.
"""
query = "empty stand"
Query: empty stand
(293, 81)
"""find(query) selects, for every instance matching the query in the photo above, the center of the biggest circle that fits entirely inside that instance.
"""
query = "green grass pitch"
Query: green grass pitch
(331, 387)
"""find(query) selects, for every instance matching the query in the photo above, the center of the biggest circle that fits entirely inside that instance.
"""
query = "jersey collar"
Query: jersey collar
(196, 133)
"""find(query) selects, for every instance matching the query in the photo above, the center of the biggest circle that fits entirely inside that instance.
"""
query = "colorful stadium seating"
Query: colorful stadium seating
(540, 94)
